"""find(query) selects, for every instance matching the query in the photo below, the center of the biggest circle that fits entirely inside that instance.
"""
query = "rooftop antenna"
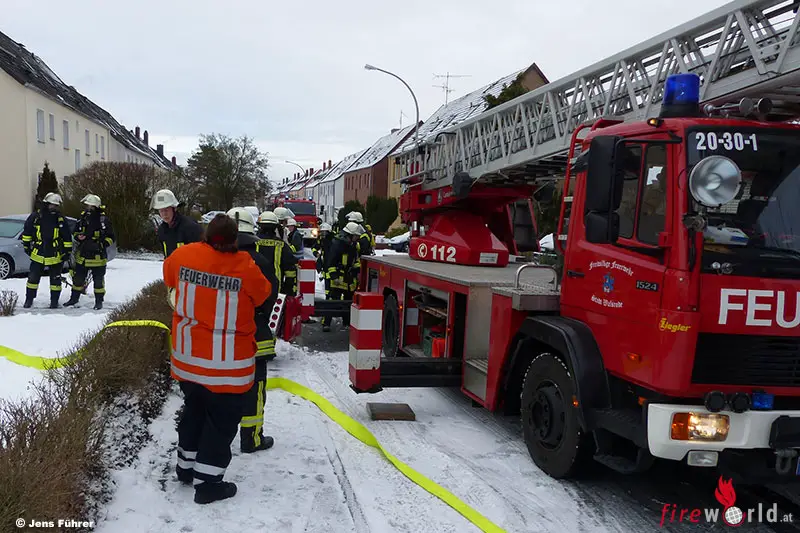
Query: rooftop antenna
(446, 86)
(401, 118)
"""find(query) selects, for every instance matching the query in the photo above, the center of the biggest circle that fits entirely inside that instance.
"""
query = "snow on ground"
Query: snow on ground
(317, 478)
(26, 332)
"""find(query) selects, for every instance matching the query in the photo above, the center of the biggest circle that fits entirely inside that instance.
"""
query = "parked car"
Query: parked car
(13, 259)
(208, 217)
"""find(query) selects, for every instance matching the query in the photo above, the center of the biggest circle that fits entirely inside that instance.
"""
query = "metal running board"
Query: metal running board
(745, 48)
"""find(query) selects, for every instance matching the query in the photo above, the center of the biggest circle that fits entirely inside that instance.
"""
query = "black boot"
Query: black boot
(212, 492)
(185, 476)
(73, 299)
(54, 297)
(98, 301)
(30, 295)
(266, 444)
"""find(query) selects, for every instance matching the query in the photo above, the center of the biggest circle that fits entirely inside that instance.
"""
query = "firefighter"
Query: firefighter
(176, 229)
(338, 268)
(271, 246)
(364, 244)
(295, 238)
(322, 244)
(47, 239)
(283, 215)
(217, 290)
(289, 284)
(94, 234)
(252, 438)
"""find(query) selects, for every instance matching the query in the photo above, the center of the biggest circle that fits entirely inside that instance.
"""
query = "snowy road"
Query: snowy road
(318, 478)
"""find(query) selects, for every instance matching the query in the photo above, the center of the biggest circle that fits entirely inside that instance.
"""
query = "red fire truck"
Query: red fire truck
(672, 329)
(305, 213)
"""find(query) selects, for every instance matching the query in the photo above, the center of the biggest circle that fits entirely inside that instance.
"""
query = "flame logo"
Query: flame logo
(725, 493)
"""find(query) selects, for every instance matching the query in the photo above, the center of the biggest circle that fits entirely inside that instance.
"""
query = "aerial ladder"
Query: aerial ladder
(742, 49)
(660, 347)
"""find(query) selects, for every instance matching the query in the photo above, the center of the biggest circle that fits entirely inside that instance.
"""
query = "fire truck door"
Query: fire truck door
(616, 288)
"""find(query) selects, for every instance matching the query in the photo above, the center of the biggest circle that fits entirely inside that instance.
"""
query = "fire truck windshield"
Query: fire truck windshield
(762, 224)
(301, 208)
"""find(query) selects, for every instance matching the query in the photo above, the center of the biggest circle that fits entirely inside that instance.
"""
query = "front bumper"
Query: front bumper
(308, 233)
(748, 431)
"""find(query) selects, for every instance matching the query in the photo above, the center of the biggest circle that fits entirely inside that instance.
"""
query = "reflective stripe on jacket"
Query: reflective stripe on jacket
(213, 326)
(47, 238)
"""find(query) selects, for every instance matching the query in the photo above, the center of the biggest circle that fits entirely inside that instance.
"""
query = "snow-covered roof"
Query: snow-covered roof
(381, 148)
(343, 166)
(29, 70)
(456, 111)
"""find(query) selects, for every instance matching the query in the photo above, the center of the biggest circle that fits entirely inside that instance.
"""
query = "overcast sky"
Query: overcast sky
(290, 74)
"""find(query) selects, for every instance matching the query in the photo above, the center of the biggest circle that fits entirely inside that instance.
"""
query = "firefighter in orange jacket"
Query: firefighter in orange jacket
(215, 290)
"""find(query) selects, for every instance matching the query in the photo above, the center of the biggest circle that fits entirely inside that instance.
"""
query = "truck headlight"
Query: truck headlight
(314, 232)
(709, 427)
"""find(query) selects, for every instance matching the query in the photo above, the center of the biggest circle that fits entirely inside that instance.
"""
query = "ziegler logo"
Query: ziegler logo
(770, 306)
(664, 325)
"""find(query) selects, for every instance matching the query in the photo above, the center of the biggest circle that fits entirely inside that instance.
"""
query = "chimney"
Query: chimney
(137, 131)
(394, 130)
(174, 161)
(160, 149)
(311, 171)
(329, 163)
(323, 165)
(146, 138)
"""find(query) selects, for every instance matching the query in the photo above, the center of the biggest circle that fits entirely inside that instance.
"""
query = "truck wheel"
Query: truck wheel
(391, 326)
(550, 424)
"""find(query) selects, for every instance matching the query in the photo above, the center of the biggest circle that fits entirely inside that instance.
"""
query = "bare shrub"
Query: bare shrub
(8, 302)
(54, 444)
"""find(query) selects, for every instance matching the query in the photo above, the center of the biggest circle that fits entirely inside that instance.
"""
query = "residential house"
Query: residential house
(331, 188)
(449, 115)
(370, 175)
(312, 187)
(46, 120)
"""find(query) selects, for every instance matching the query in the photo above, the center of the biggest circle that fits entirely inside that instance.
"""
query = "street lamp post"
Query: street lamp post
(416, 105)
(295, 164)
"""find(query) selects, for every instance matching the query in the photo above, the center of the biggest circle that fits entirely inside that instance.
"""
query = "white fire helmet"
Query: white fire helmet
(291, 222)
(283, 213)
(353, 229)
(325, 227)
(245, 221)
(172, 297)
(92, 200)
(355, 216)
(52, 198)
(164, 198)
(267, 217)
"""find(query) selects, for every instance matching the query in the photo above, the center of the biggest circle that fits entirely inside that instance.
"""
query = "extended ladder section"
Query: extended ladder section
(745, 48)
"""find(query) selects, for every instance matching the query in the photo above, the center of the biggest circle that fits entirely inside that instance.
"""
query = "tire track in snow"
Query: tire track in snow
(345, 396)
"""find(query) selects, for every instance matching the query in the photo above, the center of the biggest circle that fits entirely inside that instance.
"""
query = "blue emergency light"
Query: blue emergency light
(761, 401)
(681, 96)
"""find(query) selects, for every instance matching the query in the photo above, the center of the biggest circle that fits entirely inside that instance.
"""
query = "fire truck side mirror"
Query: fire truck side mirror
(604, 175)
(604, 178)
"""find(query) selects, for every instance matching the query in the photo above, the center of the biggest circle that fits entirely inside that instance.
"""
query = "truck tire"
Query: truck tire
(550, 423)
(391, 326)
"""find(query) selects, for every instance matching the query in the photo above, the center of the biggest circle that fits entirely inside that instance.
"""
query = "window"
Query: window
(644, 194)
(40, 125)
(88, 143)
(77, 160)
(66, 134)
(52, 127)
(102, 147)
(96, 143)
(653, 209)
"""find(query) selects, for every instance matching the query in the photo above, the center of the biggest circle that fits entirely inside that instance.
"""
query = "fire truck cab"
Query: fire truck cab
(670, 332)
(305, 214)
